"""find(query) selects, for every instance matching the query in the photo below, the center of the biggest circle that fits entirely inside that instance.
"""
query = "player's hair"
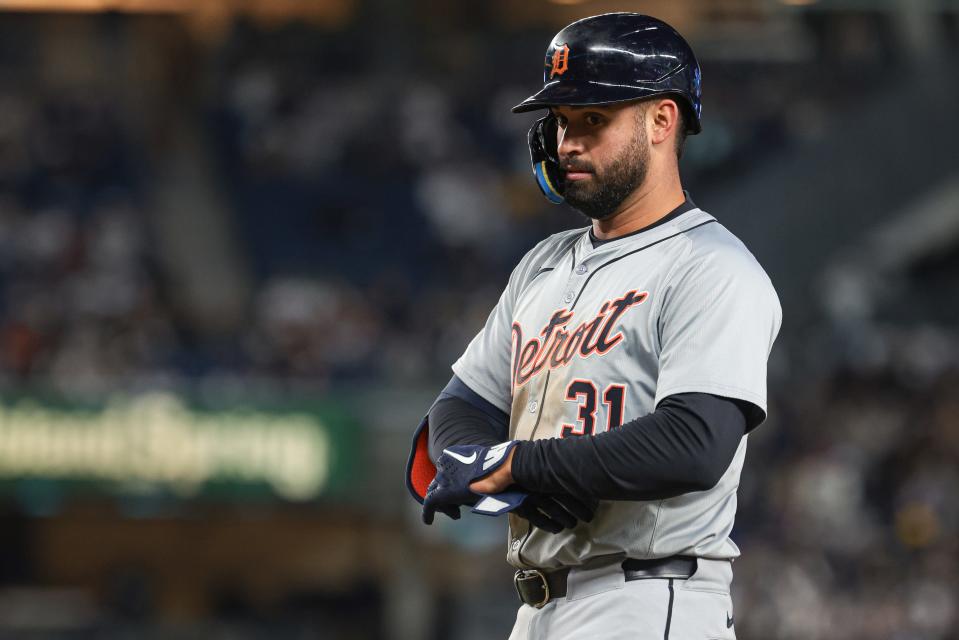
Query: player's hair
(680, 134)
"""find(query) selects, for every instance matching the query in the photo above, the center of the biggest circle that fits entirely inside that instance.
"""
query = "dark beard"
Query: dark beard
(599, 197)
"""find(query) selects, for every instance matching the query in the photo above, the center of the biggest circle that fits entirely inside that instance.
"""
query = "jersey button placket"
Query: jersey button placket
(575, 282)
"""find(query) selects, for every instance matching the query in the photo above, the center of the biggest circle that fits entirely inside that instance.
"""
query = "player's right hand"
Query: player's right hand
(456, 468)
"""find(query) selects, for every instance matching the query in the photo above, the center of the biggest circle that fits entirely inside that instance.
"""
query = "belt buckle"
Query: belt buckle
(526, 575)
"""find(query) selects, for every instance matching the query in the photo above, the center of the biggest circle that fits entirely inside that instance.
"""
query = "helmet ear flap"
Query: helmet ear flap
(544, 156)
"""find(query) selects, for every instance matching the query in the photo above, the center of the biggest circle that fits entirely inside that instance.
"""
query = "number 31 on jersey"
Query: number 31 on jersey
(586, 394)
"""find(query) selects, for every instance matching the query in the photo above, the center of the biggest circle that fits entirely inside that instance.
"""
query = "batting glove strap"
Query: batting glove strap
(456, 468)
(500, 503)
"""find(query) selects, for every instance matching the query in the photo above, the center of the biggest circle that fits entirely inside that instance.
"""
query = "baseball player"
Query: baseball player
(606, 403)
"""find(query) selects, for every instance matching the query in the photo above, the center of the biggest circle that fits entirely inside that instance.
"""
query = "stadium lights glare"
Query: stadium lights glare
(94, 6)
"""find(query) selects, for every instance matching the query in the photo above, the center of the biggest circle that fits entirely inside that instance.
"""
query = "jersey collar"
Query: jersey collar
(687, 205)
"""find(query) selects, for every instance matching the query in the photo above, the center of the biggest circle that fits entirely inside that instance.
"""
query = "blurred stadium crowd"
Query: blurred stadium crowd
(379, 205)
(355, 190)
(851, 529)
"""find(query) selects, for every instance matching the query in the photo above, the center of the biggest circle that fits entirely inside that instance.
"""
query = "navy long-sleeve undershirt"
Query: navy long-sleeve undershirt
(461, 416)
(685, 445)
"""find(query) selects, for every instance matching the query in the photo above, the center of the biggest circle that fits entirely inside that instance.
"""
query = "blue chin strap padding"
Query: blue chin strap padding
(542, 153)
(541, 172)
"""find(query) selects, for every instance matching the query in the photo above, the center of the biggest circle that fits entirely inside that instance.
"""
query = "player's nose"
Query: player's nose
(568, 143)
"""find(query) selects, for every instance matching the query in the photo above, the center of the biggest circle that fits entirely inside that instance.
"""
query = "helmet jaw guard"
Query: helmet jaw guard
(543, 154)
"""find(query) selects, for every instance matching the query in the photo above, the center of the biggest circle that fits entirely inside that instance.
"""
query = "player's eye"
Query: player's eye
(561, 122)
(593, 119)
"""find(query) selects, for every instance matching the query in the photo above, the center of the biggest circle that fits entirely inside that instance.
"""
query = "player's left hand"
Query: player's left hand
(553, 513)
(549, 512)
(456, 469)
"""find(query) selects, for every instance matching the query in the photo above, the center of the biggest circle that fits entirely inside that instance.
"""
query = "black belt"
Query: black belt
(536, 587)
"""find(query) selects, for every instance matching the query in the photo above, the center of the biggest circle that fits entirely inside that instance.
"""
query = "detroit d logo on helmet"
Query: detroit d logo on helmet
(560, 61)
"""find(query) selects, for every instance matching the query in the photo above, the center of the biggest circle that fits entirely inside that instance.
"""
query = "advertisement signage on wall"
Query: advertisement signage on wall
(158, 443)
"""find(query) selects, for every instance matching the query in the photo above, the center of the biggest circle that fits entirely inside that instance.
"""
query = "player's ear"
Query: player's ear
(662, 118)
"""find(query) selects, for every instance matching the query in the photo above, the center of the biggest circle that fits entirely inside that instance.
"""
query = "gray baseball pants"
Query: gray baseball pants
(601, 605)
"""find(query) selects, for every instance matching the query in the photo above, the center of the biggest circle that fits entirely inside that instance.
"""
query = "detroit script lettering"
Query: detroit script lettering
(556, 344)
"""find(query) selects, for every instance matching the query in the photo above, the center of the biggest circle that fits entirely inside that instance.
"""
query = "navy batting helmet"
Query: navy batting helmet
(614, 57)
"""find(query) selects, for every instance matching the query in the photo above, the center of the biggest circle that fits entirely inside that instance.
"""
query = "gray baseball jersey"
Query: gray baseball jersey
(584, 339)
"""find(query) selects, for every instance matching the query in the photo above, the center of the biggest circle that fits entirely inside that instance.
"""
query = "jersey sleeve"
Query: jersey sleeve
(718, 320)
